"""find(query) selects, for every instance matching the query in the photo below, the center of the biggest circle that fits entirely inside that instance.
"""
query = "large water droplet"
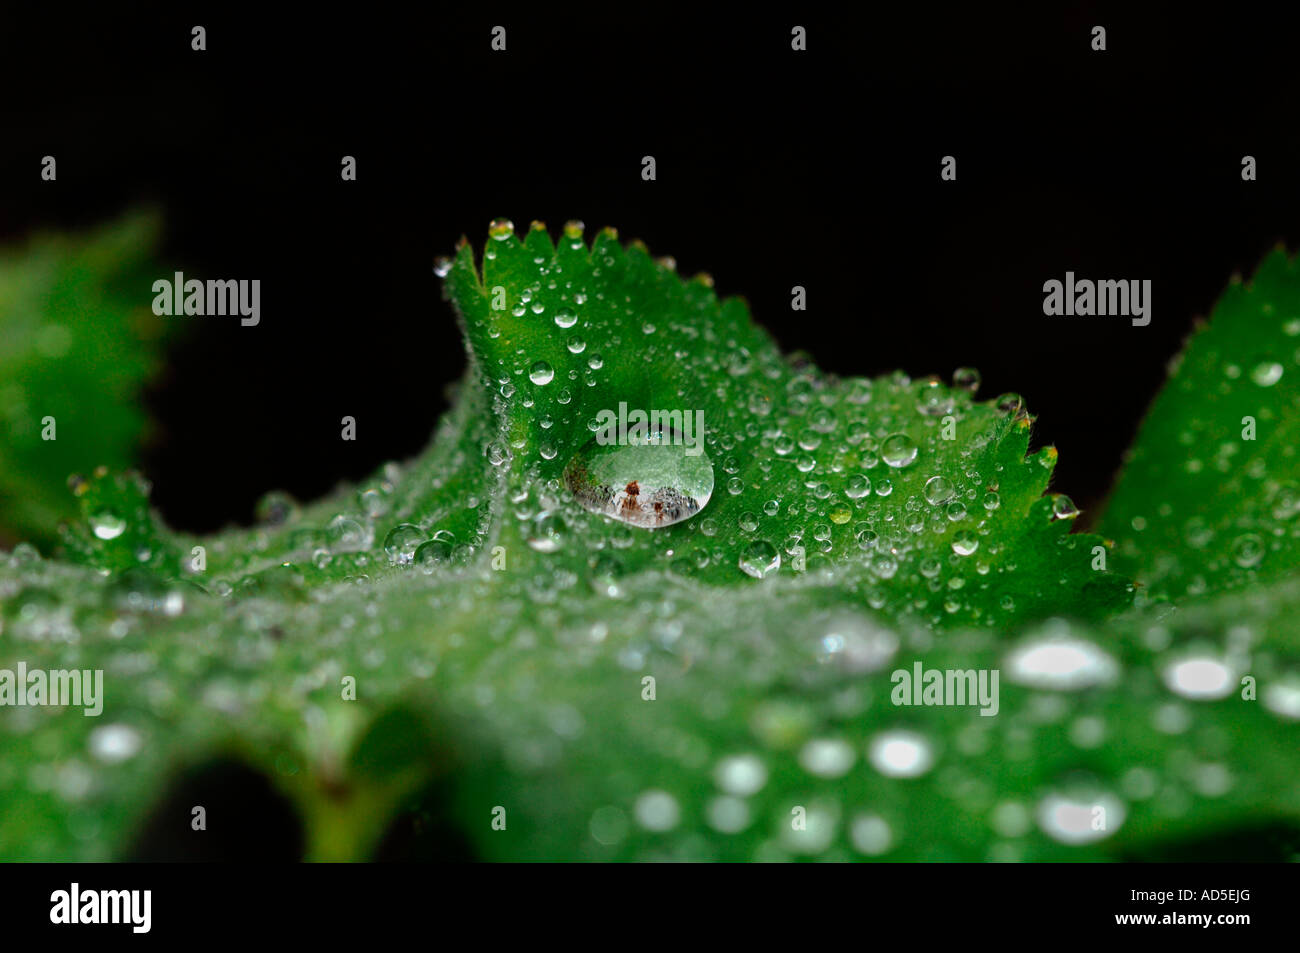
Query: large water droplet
(651, 481)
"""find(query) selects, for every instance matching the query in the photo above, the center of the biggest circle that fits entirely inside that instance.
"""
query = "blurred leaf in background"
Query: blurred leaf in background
(78, 342)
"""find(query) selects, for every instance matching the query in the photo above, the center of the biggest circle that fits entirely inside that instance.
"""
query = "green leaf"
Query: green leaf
(77, 343)
(501, 634)
(1208, 498)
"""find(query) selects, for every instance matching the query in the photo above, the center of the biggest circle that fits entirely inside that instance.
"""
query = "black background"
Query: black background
(775, 168)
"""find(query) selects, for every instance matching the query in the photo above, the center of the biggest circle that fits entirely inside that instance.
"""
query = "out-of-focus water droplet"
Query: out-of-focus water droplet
(741, 775)
(728, 815)
(107, 525)
(541, 373)
(547, 534)
(966, 378)
(651, 481)
(1200, 678)
(1061, 662)
(442, 266)
(901, 754)
(759, 559)
(1079, 818)
(1010, 405)
(898, 450)
(1248, 551)
(609, 825)
(276, 508)
(657, 810)
(870, 834)
(114, 743)
(401, 542)
(1282, 697)
(827, 757)
(1266, 373)
(853, 643)
(1286, 501)
(347, 535)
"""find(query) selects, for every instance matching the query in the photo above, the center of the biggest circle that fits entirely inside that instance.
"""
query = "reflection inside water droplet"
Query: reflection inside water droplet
(651, 481)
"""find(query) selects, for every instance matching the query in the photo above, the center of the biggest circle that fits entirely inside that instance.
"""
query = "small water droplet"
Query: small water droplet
(107, 525)
(898, 450)
(965, 542)
(1063, 507)
(565, 318)
(541, 373)
(432, 554)
(548, 533)
(401, 542)
(760, 559)
(938, 490)
(1248, 551)
(966, 378)
(501, 229)
(858, 486)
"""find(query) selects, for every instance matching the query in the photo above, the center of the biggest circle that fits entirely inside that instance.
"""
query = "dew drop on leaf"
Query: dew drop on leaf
(651, 481)
(759, 559)
(898, 450)
(541, 373)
